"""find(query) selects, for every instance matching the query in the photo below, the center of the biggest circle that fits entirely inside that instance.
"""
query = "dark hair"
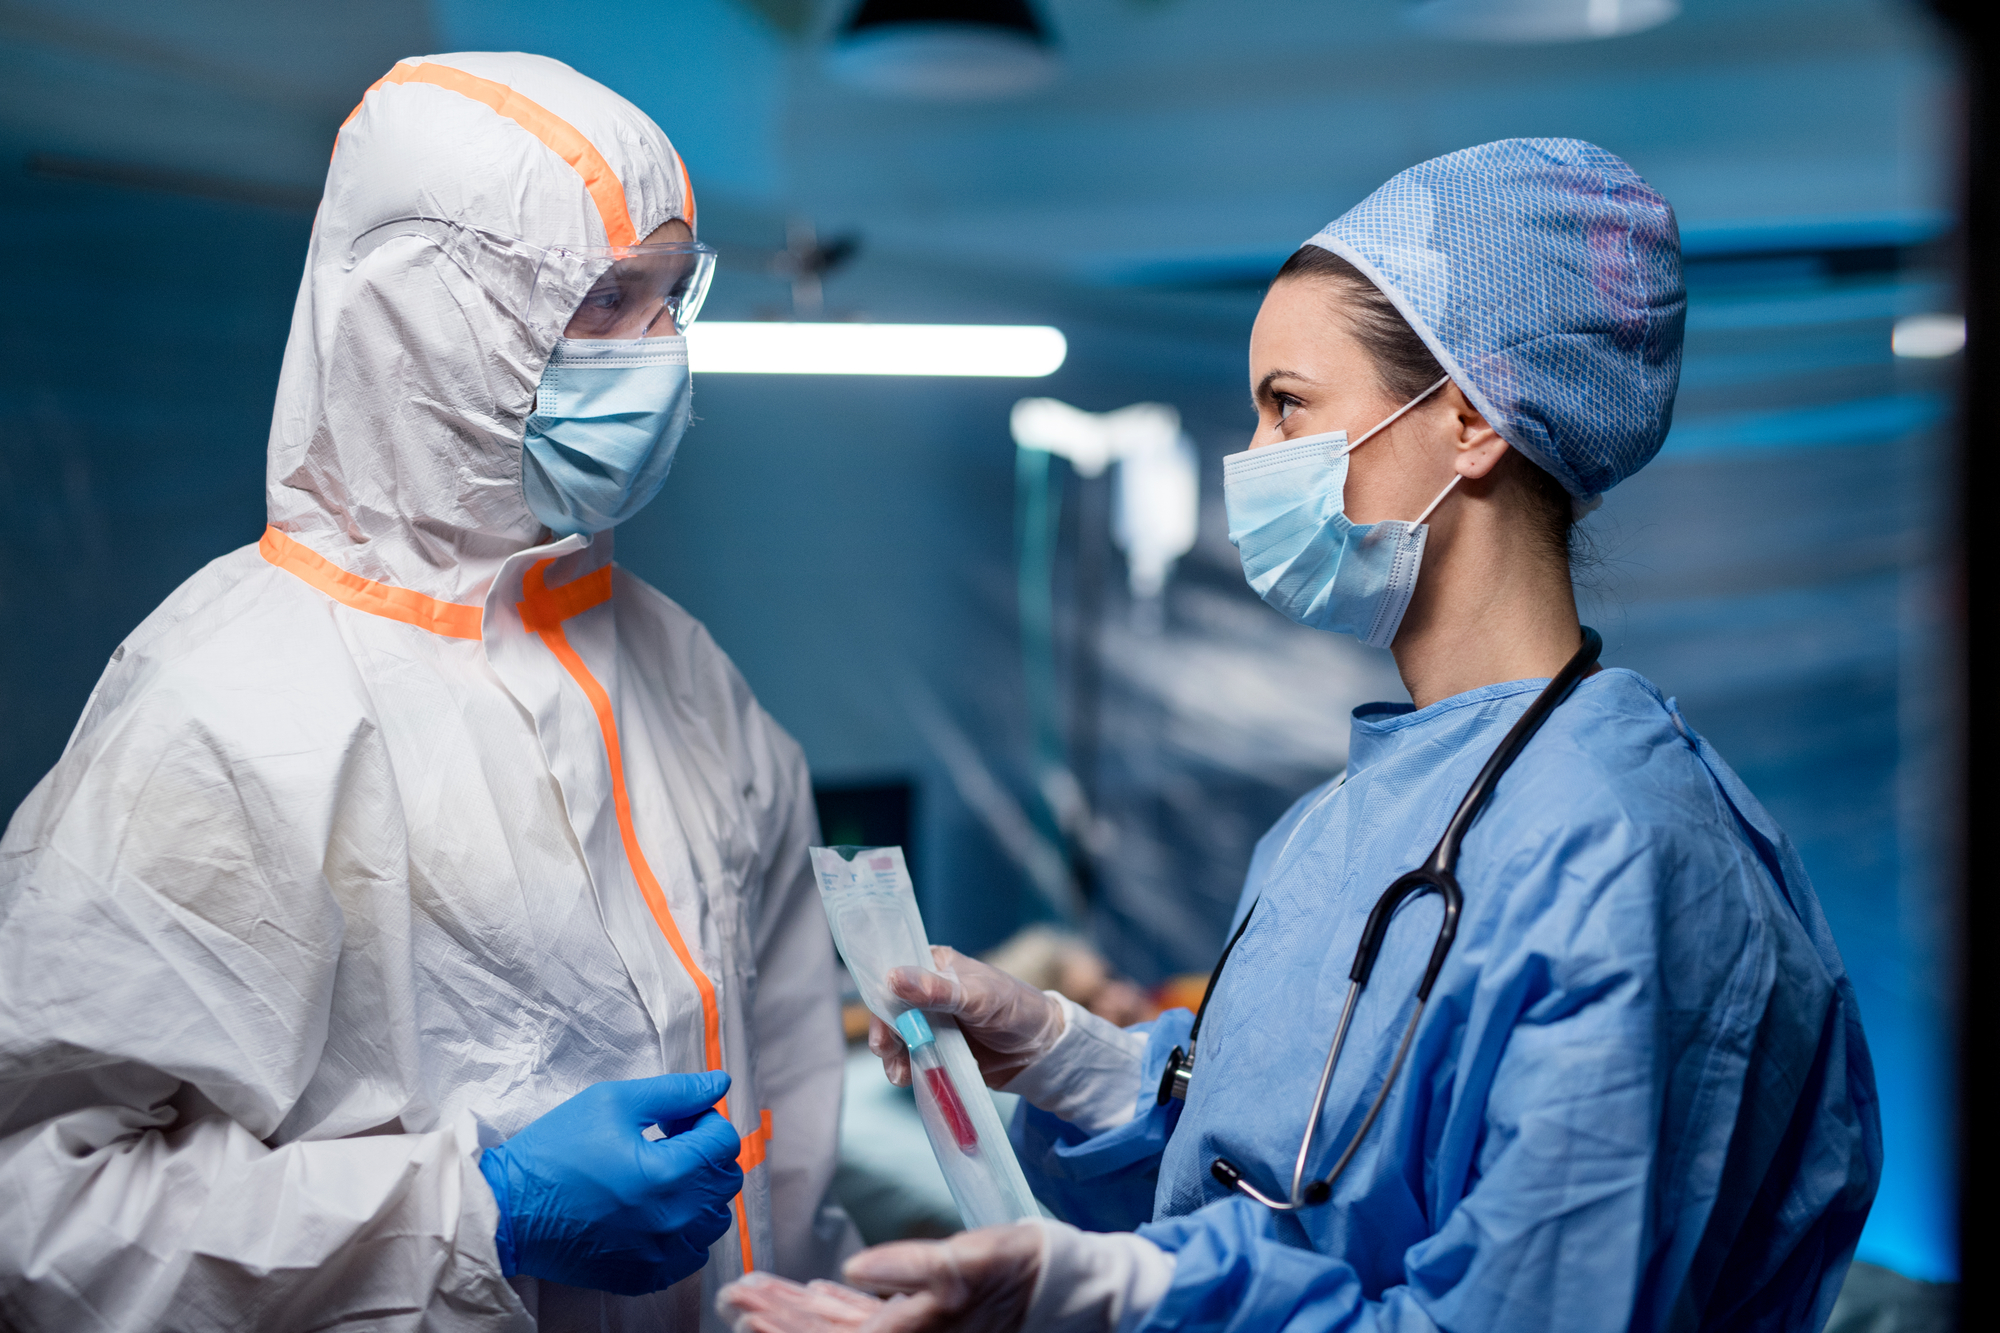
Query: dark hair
(1405, 367)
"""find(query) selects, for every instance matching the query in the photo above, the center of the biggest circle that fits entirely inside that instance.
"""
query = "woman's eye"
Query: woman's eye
(604, 298)
(1286, 406)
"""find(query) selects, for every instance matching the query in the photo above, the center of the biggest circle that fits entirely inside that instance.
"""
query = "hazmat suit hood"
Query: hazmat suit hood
(426, 313)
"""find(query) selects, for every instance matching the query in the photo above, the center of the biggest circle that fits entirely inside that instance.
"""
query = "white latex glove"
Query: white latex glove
(975, 1282)
(1047, 1276)
(759, 1302)
(1008, 1024)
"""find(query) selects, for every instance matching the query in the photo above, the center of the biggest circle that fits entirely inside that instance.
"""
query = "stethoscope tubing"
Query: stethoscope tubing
(1438, 875)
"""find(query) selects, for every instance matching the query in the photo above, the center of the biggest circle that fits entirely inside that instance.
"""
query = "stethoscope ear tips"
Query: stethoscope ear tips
(1225, 1173)
(1318, 1192)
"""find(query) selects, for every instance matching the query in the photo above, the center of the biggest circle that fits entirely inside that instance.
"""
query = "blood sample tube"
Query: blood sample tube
(924, 1057)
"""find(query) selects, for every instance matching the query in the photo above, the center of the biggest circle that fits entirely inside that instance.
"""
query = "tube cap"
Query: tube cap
(915, 1028)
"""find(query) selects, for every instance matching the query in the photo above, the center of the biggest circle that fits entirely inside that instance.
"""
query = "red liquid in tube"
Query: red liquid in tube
(955, 1115)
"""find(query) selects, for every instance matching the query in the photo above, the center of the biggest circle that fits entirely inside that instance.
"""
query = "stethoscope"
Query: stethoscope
(1438, 874)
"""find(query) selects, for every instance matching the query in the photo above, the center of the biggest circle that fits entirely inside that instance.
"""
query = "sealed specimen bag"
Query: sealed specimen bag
(873, 912)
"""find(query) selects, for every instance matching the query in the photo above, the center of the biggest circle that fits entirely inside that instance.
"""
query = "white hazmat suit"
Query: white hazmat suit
(388, 833)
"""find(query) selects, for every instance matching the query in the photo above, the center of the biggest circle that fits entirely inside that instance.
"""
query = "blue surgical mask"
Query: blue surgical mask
(608, 416)
(1300, 551)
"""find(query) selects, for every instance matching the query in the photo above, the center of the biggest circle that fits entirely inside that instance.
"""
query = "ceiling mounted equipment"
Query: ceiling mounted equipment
(943, 50)
(1538, 20)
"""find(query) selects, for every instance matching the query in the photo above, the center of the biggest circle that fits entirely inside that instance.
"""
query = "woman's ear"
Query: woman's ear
(1477, 445)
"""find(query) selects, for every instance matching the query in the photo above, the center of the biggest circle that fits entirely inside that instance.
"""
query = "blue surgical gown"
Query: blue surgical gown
(1638, 1098)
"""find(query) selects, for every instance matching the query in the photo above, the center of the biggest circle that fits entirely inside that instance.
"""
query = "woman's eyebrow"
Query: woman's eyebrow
(1263, 389)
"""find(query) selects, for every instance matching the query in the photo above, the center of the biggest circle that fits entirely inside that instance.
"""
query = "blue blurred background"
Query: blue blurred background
(852, 541)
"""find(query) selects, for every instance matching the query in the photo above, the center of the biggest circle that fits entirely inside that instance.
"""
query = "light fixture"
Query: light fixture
(1024, 351)
(1092, 441)
(943, 50)
(1156, 505)
(1539, 20)
(1928, 336)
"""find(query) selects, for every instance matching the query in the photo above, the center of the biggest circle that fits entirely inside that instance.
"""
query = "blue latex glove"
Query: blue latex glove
(588, 1201)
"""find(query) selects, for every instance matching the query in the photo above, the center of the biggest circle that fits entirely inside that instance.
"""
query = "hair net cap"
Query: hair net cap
(1545, 275)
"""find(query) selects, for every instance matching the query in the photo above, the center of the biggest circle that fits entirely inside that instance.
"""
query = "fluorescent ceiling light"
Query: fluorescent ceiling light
(771, 348)
(1539, 20)
(1928, 335)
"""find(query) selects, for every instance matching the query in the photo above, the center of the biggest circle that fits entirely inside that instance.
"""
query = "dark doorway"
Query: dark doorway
(875, 814)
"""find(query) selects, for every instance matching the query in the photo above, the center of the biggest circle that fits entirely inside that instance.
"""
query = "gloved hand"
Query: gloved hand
(759, 1302)
(1008, 1024)
(975, 1282)
(588, 1201)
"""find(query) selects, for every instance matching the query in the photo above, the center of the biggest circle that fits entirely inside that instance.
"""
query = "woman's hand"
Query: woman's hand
(758, 1302)
(975, 1282)
(1008, 1024)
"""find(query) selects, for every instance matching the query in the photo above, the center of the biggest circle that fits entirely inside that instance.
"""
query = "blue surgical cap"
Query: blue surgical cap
(1545, 276)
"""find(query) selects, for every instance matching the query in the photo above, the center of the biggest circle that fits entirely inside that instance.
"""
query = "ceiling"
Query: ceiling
(1185, 141)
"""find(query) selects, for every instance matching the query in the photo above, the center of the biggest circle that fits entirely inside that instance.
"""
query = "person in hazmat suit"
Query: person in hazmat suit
(1589, 1061)
(418, 930)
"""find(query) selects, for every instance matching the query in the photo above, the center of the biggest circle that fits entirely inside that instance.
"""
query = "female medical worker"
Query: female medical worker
(409, 868)
(1638, 1096)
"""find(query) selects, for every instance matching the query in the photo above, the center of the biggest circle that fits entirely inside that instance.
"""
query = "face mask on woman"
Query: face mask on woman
(1300, 550)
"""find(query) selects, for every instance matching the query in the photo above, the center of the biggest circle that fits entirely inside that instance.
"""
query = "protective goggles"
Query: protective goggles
(628, 291)
(574, 291)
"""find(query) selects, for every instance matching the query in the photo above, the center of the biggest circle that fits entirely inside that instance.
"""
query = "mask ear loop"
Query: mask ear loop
(1393, 418)
(1432, 506)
